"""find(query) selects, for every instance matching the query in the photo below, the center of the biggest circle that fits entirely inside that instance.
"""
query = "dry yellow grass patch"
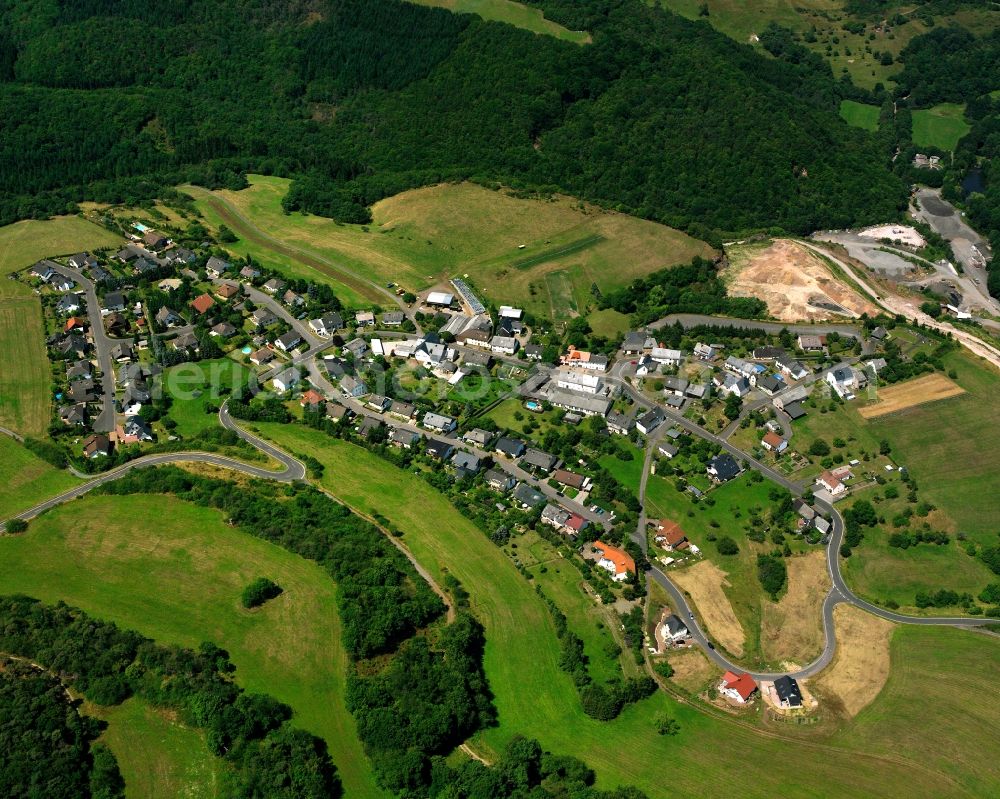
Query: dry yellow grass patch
(861, 665)
(704, 583)
(792, 629)
(795, 283)
(918, 391)
(692, 670)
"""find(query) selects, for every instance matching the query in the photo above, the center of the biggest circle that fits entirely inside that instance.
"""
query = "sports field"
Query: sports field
(861, 115)
(178, 580)
(516, 14)
(911, 393)
(24, 369)
(26, 480)
(941, 126)
(423, 237)
(535, 698)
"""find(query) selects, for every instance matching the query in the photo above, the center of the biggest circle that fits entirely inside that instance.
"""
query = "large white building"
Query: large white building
(584, 382)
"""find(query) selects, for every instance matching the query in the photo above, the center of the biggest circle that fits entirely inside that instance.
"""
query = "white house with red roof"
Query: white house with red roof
(738, 687)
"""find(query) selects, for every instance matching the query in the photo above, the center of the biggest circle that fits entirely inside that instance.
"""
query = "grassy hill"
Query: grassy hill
(26, 480)
(179, 581)
(516, 14)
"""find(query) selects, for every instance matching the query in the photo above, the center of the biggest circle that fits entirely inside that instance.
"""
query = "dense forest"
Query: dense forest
(46, 746)
(359, 99)
(107, 665)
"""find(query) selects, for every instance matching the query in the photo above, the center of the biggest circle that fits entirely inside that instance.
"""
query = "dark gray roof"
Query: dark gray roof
(788, 691)
(511, 447)
(724, 466)
(526, 495)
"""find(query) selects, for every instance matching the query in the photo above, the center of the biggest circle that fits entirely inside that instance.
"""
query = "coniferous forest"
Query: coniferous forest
(359, 99)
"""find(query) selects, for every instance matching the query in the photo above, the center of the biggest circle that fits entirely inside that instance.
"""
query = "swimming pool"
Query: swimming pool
(247, 350)
(531, 405)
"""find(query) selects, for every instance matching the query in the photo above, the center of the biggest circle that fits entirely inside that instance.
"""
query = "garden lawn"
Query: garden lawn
(179, 580)
(628, 473)
(159, 756)
(212, 381)
(535, 698)
(516, 14)
(941, 126)
(26, 480)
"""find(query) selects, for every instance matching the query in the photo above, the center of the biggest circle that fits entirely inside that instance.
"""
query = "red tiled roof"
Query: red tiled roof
(576, 522)
(743, 684)
(622, 560)
(202, 303)
(311, 397)
(671, 531)
(772, 439)
(568, 478)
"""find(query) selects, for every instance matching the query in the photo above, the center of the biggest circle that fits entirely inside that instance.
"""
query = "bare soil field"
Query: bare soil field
(901, 396)
(861, 665)
(795, 283)
(792, 628)
(692, 670)
(704, 582)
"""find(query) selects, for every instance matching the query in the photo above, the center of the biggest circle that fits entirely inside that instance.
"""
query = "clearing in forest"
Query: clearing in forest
(795, 283)
(928, 388)
(704, 582)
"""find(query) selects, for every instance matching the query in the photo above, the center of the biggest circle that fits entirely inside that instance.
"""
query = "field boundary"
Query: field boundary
(560, 252)
(910, 394)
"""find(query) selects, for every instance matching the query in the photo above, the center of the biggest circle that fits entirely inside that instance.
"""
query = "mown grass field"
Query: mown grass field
(941, 126)
(178, 580)
(421, 238)
(743, 20)
(535, 698)
(159, 756)
(211, 381)
(24, 371)
(26, 480)
(861, 115)
(516, 14)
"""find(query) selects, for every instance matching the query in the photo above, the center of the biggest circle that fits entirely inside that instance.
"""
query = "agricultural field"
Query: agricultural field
(609, 323)
(159, 757)
(24, 371)
(743, 22)
(195, 385)
(26, 480)
(941, 126)
(516, 14)
(537, 699)
(860, 115)
(423, 237)
(179, 581)
(910, 394)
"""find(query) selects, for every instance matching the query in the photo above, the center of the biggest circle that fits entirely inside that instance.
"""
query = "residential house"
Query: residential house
(803, 509)
(787, 690)
(880, 333)
(772, 442)
(503, 345)
(615, 561)
(844, 380)
(286, 380)
(785, 398)
(650, 420)
(83, 391)
(876, 364)
(581, 359)
(670, 536)
(723, 468)
(223, 330)
(75, 415)
(68, 303)
(97, 445)
(811, 343)
(510, 447)
(61, 282)
(226, 291)
(288, 341)
(262, 317)
(732, 384)
(136, 427)
(675, 385)
(400, 437)
(705, 352)
(571, 479)
(499, 480)
(794, 410)
(738, 366)
(154, 240)
(645, 366)
(292, 299)
(115, 323)
(831, 483)
(203, 303)
(73, 345)
(696, 391)
(122, 351)
(352, 387)
(438, 449)
(770, 385)
(274, 285)
(527, 497)
(667, 450)
(768, 353)
(216, 267)
(791, 368)
(402, 410)
(619, 423)
(575, 525)
(327, 324)
(738, 687)
(554, 516)
(537, 459)
(261, 357)
(378, 403)
(474, 337)
(393, 319)
(364, 318)
(533, 352)
(169, 284)
(144, 267)
(466, 462)
(674, 630)
(635, 343)
(82, 260)
(587, 405)
(439, 423)
(666, 357)
(356, 347)
(478, 360)
(249, 273)
(674, 402)
(311, 399)
(81, 370)
(335, 411)
(583, 382)
(370, 426)
(165, 318)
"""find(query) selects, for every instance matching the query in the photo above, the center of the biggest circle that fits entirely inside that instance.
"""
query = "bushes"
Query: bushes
(259, 592)
(50, 453)
(772, 573)
(727, 546)
(942, 598)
